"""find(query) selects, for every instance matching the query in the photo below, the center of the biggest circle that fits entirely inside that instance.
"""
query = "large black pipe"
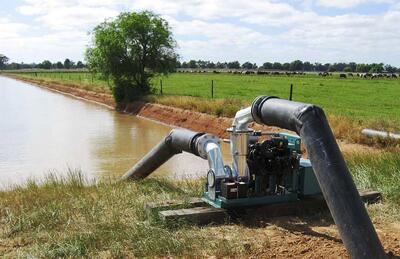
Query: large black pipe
(178, 140)
(337, 185)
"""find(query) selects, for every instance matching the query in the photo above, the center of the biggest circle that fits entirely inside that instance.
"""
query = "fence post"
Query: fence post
(92, 78)
(291, 92)
(212, 89)
(161, 90)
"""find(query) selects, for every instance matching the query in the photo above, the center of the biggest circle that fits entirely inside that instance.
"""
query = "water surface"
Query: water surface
(42, 132)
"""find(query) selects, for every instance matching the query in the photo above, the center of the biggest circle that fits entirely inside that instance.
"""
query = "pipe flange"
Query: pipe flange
(256, 107)
(202, 141)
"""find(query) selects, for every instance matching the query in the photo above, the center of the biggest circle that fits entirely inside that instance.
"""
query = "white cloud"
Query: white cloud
(349, 3)
(257, 30)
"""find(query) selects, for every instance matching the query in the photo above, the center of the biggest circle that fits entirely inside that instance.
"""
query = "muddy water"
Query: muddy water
(43, 132)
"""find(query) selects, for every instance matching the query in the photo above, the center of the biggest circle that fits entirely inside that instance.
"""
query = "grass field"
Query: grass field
(63, 217)
(365, 101)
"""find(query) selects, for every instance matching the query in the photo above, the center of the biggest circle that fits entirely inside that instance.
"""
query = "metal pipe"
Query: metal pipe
(203, 145)
(175, 142)
(338, 188)
(239, 140)
(377, 133)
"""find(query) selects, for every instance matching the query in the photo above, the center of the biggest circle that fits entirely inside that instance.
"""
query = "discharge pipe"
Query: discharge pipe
(337, 185)
(203, 145)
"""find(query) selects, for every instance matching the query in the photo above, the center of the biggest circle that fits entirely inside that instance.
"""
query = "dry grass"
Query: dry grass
(70, 217)
(218, 107)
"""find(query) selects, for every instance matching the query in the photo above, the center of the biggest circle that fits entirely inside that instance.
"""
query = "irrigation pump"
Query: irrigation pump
(269, 169)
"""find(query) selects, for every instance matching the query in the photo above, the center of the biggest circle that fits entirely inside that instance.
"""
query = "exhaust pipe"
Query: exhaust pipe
(337, 185)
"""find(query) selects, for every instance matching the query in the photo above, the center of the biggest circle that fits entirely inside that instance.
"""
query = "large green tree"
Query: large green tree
(3, 61)
(130, 50)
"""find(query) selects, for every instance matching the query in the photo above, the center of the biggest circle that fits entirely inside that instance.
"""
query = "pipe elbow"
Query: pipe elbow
(273, 111)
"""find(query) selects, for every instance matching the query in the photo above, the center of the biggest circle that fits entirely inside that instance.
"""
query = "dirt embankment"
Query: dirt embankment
(166, 114)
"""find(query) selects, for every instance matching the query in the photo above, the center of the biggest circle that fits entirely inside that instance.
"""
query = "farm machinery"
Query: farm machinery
(268, 168)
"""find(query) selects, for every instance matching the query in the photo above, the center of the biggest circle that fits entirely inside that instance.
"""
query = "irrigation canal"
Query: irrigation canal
(43, 132)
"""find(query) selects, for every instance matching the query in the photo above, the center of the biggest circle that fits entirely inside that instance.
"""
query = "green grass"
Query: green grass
(360, 99)
(67, 217)
(369, 102)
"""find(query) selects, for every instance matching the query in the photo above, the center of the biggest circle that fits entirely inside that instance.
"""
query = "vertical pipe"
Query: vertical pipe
(161, 90)
(291, 92)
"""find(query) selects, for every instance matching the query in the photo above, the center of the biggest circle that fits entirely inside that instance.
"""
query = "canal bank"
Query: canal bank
(196, 121)
(44, 132)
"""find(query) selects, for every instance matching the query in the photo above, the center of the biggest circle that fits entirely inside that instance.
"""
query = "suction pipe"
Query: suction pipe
(178, 140)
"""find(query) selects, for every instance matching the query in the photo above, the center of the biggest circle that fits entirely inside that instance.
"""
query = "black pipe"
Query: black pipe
(178, 140)
(337, 185)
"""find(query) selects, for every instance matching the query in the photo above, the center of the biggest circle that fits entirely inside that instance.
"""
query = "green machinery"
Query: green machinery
(276, 174)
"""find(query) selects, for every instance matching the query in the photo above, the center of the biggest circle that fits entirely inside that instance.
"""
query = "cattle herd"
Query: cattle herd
(291, 73)
(362, 75)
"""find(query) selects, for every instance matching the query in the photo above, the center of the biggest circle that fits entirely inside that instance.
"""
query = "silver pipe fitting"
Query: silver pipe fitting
(209, 148)
(239, 141)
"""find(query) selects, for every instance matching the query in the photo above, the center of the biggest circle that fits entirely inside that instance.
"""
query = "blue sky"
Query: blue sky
(256, 30)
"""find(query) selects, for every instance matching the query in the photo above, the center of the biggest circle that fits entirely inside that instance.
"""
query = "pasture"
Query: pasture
(367, 101)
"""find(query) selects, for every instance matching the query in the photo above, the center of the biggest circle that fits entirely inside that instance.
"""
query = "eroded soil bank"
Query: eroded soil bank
(173, 116)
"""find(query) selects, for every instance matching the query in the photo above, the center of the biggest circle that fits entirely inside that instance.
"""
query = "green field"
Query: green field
(365, 100)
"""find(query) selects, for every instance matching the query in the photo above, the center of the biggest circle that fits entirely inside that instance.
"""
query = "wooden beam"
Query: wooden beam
(168, 205)
(198, 212)
(197, 215)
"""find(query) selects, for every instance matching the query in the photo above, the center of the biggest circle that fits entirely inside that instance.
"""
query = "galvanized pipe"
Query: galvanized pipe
(381, 134)
(338, 188)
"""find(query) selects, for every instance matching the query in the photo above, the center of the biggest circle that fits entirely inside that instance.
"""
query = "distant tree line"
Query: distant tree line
(296, 65)
(46, 64)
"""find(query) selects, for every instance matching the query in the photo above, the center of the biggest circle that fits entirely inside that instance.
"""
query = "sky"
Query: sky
(326, 31)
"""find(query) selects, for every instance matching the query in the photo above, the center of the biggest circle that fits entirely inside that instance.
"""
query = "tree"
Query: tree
(296, 65)
(132, 49)
(46, 64)
(80, 64)
(277, 66)
(347, 69)
(376, 68)
(193, 64)
(249, 65)
(267, 65)
(390, 69)
(233, 65)
(285, 66)
(68, 63)
(185, 65)
(59, 65)
(211, 65)
(307, 66)
(3, 61)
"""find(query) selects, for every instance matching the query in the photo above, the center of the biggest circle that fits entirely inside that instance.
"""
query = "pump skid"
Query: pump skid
(268, 169)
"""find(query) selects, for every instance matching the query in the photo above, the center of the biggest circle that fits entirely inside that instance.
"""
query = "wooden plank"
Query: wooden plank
(200, 213)
(166, 205)
(197, 215)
